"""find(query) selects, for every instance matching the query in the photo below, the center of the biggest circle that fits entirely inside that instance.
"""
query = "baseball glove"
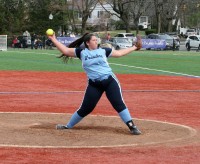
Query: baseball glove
(138, 43)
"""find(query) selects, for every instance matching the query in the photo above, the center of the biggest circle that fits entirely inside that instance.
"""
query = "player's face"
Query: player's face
(92, 43)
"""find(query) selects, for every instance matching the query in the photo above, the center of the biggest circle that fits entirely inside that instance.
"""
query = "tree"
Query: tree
(158, 4)
(192, 13)
(72, 15)
(33, 15)
(170, 12)
(129, 11)
(85, 8)
(121, 9)
(139, 7)
(12, 16)
(38, 16)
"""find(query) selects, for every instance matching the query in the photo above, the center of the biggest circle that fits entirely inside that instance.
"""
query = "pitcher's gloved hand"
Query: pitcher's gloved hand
(138, 44)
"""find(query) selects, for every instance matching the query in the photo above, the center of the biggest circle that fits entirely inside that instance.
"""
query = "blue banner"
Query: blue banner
(146, 43)
(66, 40)
(154, 43)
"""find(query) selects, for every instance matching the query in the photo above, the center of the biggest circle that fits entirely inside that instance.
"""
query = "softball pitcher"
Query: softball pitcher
(100, 78)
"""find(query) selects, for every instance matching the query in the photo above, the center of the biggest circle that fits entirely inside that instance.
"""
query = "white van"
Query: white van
(190, 32)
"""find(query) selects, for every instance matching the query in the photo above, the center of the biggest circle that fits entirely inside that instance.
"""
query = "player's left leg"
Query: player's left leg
(114, 95)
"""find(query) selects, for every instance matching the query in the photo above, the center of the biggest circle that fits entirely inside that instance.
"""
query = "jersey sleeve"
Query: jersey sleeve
(108, 51)
(78, 52)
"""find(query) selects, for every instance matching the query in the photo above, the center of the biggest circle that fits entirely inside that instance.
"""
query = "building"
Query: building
(101, 15)
(144, 22)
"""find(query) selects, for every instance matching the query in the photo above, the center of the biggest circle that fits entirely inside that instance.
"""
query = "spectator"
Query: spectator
(15, 42)
(49, 44)
(72, 35)
(108, 36)
(43, 42)
(24, 42)
(63, 34)
(38, 44)
(33, 37)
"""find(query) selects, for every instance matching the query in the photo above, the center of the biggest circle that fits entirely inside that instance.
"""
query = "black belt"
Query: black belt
(98, 80)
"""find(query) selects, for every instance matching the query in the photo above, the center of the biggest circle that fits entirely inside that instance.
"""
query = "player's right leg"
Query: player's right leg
(91, 98)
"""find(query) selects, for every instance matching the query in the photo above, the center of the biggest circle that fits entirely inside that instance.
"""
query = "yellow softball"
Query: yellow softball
(49, 32)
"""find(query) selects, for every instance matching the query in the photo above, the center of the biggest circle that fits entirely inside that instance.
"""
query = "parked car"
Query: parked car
(193, 41)
(126, 35)
(171, 43)
(190, 32)
(120, 43)
(174, 35)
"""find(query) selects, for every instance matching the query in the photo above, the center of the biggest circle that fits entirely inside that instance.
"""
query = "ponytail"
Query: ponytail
(78, 42)
(74, 44)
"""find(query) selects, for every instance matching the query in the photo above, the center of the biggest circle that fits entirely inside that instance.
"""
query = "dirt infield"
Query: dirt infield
(93, 132)
(165, 108)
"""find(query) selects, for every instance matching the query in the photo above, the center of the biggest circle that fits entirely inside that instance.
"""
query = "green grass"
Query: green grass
(139, 62)
(161, 62)
(36, 60)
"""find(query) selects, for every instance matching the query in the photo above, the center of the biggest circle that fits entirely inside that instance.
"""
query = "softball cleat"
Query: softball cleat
(135, 131)
(61, 127)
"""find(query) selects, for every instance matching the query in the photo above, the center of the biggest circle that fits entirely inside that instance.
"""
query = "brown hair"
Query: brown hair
(77, 43)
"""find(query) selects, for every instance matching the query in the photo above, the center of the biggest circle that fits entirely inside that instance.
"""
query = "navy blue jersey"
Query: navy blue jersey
(94, 62)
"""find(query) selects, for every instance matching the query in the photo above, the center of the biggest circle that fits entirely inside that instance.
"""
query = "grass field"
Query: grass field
(141, 62)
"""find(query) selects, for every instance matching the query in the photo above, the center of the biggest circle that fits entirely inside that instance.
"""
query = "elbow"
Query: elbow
(65, 51)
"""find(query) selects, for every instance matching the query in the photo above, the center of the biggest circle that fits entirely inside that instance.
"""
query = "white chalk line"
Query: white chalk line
(32, 52)
(157, 70)
(192, 131)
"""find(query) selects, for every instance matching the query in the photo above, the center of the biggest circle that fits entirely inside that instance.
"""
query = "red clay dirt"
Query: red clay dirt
(149, 97)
